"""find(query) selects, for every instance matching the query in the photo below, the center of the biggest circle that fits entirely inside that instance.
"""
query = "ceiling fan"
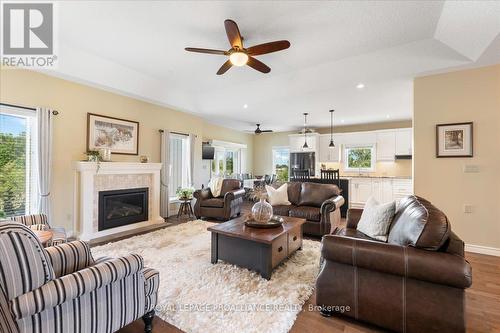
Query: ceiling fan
(239, 55)
(259, 131)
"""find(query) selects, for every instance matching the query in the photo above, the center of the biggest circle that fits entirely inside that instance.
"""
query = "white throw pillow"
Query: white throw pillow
(376, 219)
(278, 196)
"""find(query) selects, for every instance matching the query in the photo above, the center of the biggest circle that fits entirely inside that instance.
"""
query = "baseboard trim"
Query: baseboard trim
(492, 251)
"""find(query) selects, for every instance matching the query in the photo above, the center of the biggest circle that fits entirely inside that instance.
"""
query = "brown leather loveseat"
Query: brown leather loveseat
(319, 204)
(413, 283)
(225, 206)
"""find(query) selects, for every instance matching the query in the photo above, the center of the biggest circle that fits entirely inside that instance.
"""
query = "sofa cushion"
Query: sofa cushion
(313, 194)
(282, 210)
(420, 224)
(306, 212)
(294, 192)
(278, 196)
(213, 202)
(376, 219)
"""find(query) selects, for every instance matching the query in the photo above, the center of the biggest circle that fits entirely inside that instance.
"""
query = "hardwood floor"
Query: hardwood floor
(483, 304)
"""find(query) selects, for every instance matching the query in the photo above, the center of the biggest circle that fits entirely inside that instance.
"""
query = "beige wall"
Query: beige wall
(74, 100)
(469, 95)
(263, 144)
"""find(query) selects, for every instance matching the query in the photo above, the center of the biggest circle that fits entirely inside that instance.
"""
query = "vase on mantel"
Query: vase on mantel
(262, 211)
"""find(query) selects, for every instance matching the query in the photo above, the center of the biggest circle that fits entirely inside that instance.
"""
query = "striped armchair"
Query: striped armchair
(41, 222)
(63, 289)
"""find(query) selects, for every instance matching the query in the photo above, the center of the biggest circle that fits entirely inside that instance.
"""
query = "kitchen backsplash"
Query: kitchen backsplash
(399, 168)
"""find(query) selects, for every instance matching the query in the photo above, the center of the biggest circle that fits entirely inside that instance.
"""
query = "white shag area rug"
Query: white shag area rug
(197, 296)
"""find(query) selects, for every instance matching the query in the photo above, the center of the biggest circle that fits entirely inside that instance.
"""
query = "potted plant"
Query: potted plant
(93, 156)
(185, 193)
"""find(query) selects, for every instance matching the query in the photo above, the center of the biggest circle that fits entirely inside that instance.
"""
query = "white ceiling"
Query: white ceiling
(136, 48)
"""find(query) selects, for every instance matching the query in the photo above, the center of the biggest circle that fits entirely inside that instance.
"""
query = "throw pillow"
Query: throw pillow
(278, 196)
(376, 219)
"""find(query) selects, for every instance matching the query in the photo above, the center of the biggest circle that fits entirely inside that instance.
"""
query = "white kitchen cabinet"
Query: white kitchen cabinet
(360, 138)
(382, 189)
(296, 142)
(386, 146)
(404, 141)
(327, 154)
(401, 188)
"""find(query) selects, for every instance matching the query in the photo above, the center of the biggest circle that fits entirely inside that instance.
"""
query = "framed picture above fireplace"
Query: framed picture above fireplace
(454, 140)
(121, 136)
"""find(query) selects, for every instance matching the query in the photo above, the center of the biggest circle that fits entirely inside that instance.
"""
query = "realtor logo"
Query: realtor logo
(28, 28)
(28, 35)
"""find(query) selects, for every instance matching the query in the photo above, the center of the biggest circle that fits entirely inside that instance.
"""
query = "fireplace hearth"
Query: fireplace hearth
(122, 207)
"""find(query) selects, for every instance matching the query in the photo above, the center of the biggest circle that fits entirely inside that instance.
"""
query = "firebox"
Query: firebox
(122, 207)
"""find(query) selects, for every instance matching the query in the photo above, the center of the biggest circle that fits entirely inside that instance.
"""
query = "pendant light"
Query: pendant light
(331, 145)
(305, 146)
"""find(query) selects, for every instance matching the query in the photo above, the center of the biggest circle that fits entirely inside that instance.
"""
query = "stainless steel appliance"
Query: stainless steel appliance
(302, 161)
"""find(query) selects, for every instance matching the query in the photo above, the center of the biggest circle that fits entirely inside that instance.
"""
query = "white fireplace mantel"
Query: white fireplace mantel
(92, 178)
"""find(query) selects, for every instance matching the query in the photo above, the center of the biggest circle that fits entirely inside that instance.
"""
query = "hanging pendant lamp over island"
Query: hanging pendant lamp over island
(305, 146)
(331, 145)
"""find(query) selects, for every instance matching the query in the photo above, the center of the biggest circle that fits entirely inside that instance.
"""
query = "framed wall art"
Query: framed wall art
(121, 136)
(454, 140)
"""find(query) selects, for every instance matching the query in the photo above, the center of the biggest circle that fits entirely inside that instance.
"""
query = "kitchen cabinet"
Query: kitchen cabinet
(296, 142)
(404, 141)
(382, 189)
(386, 145)
(327, 154)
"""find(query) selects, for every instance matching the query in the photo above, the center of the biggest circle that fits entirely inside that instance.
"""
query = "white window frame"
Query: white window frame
(239, 161)
(31, 207)
(185, 164)
(358, 146)
(274, 149)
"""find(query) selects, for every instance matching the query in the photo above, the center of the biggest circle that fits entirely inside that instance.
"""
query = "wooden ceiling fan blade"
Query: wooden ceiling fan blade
(224, 68)
(233, 34)
(258, 65)
(268, 47)
(266, 131)
(209, 51)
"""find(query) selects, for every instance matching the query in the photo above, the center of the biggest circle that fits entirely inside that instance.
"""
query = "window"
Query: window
(179, 163)
(281, 161)
(18, 182)
(360, 158)
(227, 161)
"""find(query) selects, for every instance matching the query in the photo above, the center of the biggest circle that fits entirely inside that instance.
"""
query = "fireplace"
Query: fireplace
(122, 207)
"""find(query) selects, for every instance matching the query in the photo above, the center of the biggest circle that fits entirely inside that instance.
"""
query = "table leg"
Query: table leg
(215, 240)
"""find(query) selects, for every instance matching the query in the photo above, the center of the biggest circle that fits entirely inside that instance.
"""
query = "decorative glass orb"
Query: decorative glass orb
(262, 211)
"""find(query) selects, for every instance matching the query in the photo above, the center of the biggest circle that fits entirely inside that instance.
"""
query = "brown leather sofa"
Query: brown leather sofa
(319, 204)
(225, 206)
(413, 283)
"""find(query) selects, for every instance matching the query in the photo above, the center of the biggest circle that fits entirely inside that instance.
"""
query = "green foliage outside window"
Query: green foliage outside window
(13, 174)
(282, 172)
(359, 157)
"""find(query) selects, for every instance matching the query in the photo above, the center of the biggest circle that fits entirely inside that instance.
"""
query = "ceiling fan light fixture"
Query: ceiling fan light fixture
(238, 58)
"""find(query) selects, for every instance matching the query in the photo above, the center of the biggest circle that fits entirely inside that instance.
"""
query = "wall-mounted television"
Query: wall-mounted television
(207, 152)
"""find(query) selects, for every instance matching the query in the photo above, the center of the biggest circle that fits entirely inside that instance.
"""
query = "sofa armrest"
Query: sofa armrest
(73, 285)
(234, 194)
(353, 217)
(431, 266)
(332, 204)
(69, 257)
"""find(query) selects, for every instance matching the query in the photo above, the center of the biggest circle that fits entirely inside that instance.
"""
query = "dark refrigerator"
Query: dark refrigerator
(302, 161)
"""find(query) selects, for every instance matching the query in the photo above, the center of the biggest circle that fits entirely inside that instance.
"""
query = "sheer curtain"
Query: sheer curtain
(192, 143)
(165, 173)
(44, 133)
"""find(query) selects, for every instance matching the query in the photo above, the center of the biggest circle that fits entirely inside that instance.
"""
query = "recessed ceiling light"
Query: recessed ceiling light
(245, 106)
(342, 121)
(360, 85)
(387, 116)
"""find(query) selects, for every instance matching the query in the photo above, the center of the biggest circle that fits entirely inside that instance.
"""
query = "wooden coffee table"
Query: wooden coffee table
(260, 250)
